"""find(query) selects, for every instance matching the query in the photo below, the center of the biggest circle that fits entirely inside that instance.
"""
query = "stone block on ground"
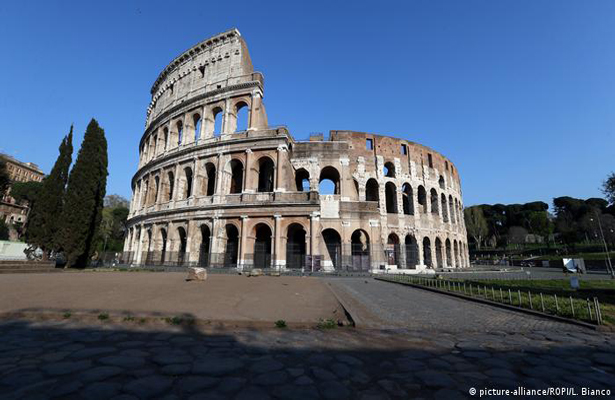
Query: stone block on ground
(196, 274)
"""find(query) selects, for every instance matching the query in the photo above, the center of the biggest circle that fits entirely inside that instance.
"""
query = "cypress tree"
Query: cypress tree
(84, 197)
(42, 228)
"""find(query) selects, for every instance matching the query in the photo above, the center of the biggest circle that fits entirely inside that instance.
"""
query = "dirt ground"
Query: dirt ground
(230, 298)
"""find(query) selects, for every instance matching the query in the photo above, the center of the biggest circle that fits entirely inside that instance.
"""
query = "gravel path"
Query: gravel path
(382, 304)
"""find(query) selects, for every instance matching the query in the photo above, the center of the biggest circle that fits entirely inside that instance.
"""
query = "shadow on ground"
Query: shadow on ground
(105, 360)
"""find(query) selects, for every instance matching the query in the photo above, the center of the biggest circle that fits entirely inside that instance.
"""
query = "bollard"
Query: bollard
(598, 311)
(542, 302)
(556, 305)
(486, 294)
(464, 288)
(501, 295)
(493, 293)
(571, 306)
(471, 294)
(519, 291)
(510, 297)
(589, 310)
(529, 295)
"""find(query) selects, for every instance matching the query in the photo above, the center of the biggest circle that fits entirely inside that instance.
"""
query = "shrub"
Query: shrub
(280, 323)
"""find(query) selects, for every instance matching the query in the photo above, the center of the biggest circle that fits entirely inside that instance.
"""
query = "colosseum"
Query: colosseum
(217, 186)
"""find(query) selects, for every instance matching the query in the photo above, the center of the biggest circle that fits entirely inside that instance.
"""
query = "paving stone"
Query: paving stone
(149, 387)
(66, 367)
(604, 358)
(65, 388)
(194, 383)
(263, 366)
(295, 372)
(92, 352)
(134, 353)
(131, 343)
(216, 366)
(296, 393)
(252, 393)
(271, 378)
(176, 369)
(341, 370)
(435, 379)
(322, 374)
(333, 390)
(172, 358)
(408, 364)
(501, 373)
(123, 361)
(100, 390)
(319, 359)
(97, 374)
(360, 378)
(231, 384)
(303, 380)
(53, 357)
(446, 394)
(391, 387)
(350, 360)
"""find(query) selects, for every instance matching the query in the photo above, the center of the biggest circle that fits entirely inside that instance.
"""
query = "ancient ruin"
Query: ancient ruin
(217, 186)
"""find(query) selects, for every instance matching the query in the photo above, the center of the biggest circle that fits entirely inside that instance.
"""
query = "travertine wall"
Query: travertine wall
(253, 198)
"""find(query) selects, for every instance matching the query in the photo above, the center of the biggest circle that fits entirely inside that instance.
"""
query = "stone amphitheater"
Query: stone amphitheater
(217, 186)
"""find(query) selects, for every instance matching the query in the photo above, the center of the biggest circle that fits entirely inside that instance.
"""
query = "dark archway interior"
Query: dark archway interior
(393, 249)
(188, 175)
(422, 198)
(295, 247)
(210, 170)
(262, 247)
(389, 170)
(372, 191)
(412, 252)
(181, 254)
(434, 201)
(163, 239)
(265, 175)
(427, 252)
(391, 197)
(333, 242)
(171, 179)
(360, 250)
(329, 182)
(232, 246)
(406, 195)
(438, 253)
(204, 248)
(236, 177)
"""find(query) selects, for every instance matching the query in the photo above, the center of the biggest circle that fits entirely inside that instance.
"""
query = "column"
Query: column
(244, 241)
(247, 184)
(195, 175)
(314, 219)
(139, 245)
(214, 243)
(176, 184)
(277, 263)
(345, 190)
(279, 178)
(226, 119)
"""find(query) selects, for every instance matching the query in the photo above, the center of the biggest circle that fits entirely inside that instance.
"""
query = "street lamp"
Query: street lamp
(606, 248)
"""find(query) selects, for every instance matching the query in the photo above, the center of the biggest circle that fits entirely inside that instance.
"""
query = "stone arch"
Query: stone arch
(182, 245)
(197, 122)
(439, 258)
(427, 252)
(434, 201)
(456, 252)
(333, 245)
(156, 188)
(411, 251)
(407, 198)
(187, 182)
(234, 171)
(296, 249)
(262, 245)
(179, 125)
(451, 207)
(205, 246)
(242, 115)
(372, 191)
(444, 207)
(165, 138)
(422, 199)
(329, 181)
(209, 183)
(163, 245)
(390, 191)
(360, 250)
(441, 183)
(392, 249)
(302, 180)
(266, 174)
(389, 170)
(217, 116)
(231, 245)
(449, 255)
(170, 186)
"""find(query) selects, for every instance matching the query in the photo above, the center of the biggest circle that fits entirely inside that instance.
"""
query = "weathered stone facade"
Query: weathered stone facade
(208, 193)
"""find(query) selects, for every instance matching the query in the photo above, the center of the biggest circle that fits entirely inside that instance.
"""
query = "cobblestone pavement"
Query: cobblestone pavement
(385, 304)
(40, 360)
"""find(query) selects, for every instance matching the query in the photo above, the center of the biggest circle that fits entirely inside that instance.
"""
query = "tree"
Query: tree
(84, 197)
(476, 224)
(4, 178)
(43, 224)
(608, 188)
(4, 230)
(26, 192)
(113, 226)
(115, 200)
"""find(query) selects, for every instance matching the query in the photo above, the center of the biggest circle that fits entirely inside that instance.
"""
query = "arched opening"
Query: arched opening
(372, 191)
(391, 197)
(241, 112)
(427, 252)
(210, 182)
(392, 249)
(236, 176)
(360, 251)
(262, 246)
(163, 245)
(389, 170)
(188, 178)
(302, 180)
(434, 201)
(444, 207)
(449, 255)
(441, 182)
(155, 145)
(217, 117)
(295, 247)
(422, 198)
(333, 243)
(205, 245)
(170, 185)
(181, 245)
(180, 132)
(456, 253)
(145, 193)
(439, 253)
(165, 138)
(452, 209)
(265, 174)
(197, 121)
(406, 195)
(149, 254)
(156, 188)
(329, 182)
(232, 246)
(412, 252)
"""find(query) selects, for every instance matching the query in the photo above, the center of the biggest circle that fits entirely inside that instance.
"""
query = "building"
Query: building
(212, 192)
(12, 212)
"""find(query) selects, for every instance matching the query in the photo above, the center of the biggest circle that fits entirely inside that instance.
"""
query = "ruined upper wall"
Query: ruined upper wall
(211, 65)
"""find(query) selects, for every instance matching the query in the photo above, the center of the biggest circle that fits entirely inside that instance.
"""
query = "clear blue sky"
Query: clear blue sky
(519, 94)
